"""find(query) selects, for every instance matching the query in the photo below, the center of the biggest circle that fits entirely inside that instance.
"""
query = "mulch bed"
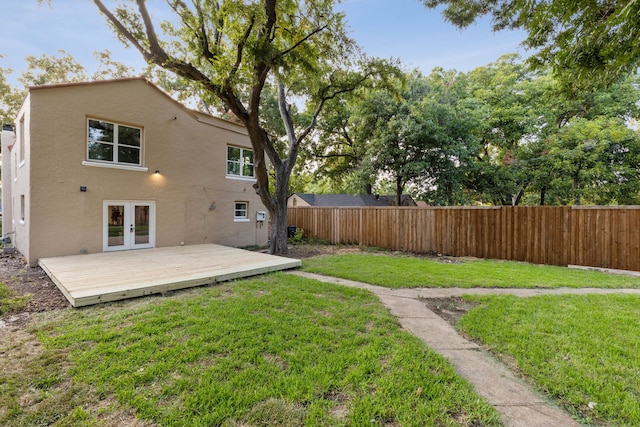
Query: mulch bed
(43, 294)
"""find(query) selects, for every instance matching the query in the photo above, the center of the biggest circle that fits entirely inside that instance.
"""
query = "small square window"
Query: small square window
(241, 211)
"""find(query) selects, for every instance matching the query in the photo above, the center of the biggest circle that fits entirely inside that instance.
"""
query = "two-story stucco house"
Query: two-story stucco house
(119, 165)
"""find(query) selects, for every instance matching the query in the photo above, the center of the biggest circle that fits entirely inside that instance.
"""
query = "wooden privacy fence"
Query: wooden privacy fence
(590, 236)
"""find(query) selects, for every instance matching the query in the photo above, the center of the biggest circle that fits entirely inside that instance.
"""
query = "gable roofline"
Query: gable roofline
(196, 115)
(306, 197)
(87, 83)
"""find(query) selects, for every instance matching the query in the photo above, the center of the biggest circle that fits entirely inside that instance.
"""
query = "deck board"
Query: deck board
(110, 276)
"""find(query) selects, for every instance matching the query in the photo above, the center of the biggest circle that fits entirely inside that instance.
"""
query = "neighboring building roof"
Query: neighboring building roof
(354, 200)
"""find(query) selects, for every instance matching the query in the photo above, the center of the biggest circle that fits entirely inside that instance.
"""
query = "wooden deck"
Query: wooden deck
(110, 276)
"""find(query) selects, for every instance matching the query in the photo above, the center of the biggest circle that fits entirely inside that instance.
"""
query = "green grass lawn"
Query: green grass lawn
(275, 350)
(582, 350)
(410, 272)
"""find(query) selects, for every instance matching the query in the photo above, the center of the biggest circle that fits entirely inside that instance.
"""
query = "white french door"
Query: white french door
(128, 225)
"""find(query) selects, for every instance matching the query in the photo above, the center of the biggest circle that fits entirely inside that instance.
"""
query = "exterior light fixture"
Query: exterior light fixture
(157, 171)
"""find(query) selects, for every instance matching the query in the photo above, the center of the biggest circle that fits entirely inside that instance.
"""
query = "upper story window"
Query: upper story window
(114, 143)
(240, 162)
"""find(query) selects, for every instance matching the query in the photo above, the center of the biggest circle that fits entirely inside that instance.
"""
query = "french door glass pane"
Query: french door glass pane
(116, 225)
(142, 224)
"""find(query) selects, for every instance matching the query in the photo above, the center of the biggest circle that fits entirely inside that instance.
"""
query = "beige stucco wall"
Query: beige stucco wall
(188, 148)
(17, 182)
(8, 141)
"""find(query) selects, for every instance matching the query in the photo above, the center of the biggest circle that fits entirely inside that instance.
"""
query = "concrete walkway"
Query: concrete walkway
(518, 404)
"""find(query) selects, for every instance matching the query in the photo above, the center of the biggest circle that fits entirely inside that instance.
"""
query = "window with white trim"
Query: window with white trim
(113, 143)
(241, 211)
(240, 162)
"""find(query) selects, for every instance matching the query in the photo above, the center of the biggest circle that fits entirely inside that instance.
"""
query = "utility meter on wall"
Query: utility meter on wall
(261, 216)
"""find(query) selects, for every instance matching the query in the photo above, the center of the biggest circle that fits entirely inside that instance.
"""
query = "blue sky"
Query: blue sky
(402, 29)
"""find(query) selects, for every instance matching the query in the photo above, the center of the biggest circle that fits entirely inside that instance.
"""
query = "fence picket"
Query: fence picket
(598, 236)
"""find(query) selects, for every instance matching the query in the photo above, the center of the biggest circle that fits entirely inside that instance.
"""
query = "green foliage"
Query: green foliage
(413, 129)
(593, 162)
(410, 272)
(582, 350)
(298, 236)
(587, 44)
(54, 69)
(495, 135)
(523, 116)
(278, 350)
(506, 96)
(341, 148)
(10, 98)
(9, 301)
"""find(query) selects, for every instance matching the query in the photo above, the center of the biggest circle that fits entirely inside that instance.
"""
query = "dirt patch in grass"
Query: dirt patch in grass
(450, 309)
(308, 250)
(16, 348)
(33, 282)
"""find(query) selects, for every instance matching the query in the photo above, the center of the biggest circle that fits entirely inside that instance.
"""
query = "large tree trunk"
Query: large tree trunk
(399, 188)
(279, 226)
(576, 188)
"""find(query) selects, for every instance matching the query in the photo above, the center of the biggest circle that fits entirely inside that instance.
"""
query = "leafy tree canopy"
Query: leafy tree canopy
(500, 134)
(593, 162)
(54, 69)
(587, 43)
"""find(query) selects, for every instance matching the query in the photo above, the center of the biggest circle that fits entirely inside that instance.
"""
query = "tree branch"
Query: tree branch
(203, 38)
(269, 26)
(287, 121)
(324, 98)
(124, 31)
(159, 56)
(301, 41)
(241, 45)
(332, 156)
